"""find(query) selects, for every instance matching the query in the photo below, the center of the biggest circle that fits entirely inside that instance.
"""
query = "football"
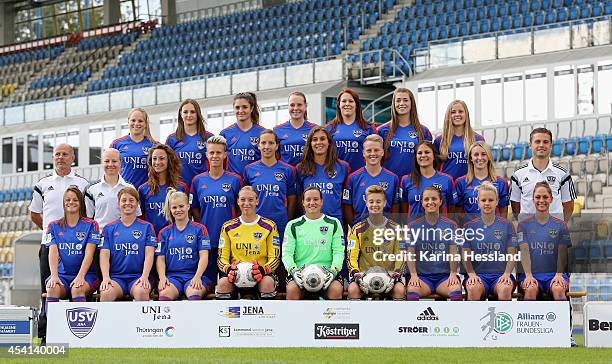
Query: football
(377, 280)
(314, 278)
(244, 276)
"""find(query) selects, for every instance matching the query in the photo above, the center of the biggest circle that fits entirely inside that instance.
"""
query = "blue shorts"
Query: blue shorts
(181, 281)
(489, 281)
(544, 280)
(66, 279)
(126, 281)
(433, 280)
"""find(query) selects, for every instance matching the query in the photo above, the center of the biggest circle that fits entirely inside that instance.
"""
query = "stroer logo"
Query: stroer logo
(336, 331)
(81, 320)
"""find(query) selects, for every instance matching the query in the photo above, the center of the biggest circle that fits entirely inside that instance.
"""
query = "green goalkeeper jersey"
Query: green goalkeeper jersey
(319, 242)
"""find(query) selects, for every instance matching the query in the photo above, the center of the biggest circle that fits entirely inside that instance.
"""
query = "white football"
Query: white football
(244, 276)
(377, 279)
(313, 278)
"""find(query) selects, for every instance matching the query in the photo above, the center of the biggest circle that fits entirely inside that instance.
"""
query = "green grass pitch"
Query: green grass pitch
(338, 355)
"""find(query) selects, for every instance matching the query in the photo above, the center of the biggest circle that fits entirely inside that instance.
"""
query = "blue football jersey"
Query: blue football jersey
(133, 159)
(467, 195)
(152, 206)
(192, 153)
(216, 199)
(292, 141)
(349, 142)
(241, 146)
(355, 191)
(400, 156)
(330, 184)
(432, 241)
(127, 245)
(544, 241)
(497, 237)
(182, 248)
(409, 194)
(71, 243)
(274, 185)
(456, 164)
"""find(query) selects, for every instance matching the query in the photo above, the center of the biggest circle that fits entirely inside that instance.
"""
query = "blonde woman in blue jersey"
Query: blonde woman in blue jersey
(248, 238)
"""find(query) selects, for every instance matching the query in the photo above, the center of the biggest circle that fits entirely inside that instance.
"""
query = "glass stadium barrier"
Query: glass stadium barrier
(514, 43)
(220, 10)
(285, 75)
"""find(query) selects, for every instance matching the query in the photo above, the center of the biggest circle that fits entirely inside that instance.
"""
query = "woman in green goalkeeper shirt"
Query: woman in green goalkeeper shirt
(314, 238)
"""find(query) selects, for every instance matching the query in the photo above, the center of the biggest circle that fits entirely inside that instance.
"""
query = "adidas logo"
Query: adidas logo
(100, 194)
(526, 179)
(428, 315)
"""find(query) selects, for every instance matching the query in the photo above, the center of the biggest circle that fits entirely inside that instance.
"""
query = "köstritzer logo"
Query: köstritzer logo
(336, 331)
(500, 322)
(81, 320)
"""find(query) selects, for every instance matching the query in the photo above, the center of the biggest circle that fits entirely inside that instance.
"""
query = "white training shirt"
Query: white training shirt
(48, 196)
(102, 203)
(526, 176)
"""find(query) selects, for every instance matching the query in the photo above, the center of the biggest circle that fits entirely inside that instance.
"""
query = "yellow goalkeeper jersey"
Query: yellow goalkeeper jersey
(248, 242)
(363, 247)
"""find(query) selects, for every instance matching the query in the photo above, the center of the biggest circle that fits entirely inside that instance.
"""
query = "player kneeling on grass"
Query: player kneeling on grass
(497, 239)
(433, 270)
(313, 244)
(72, 243)
(364, 252)
(544, 241)
(182, 253)
(127, 252)
(250, 239)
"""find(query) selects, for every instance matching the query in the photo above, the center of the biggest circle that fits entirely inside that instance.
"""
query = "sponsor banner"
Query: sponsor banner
(598, 324)
(185, 324)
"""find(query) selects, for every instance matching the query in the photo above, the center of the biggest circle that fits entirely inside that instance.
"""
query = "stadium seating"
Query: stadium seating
(243, 41)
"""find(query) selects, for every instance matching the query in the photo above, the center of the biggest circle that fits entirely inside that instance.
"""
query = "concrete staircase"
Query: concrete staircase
(374, 30)
(82, 88)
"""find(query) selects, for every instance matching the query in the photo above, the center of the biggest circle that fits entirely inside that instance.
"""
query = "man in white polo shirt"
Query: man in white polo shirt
(101, 196)
(48, 205)
(541, 168)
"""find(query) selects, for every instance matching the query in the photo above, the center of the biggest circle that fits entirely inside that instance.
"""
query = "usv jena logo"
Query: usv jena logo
(336, 331)
(157, 312)
(81, 320)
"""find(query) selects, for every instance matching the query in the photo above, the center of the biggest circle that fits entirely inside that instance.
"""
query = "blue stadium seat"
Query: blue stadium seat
(518, 152)
(506, 152)
(557, 148)
(571, 145)
(584, 145)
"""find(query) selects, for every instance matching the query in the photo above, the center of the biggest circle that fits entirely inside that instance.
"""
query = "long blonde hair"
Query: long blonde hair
(172, 194)
(469, 136)
(469, 177)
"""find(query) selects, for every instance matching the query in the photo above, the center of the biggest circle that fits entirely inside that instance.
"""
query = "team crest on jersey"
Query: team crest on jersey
(254, 140)
(190, 238)
(145, 150)
(257, 235)
(304, 136)
(226, 187)
(413, 134)
(80, 235)
(384, 185)
(136, 234)
(200, 144)
(278, 176)
(438, 186)
(498, 234)
(497, 246)
(553, 233)
(551, 179)
(323, 229)
(357, 133)
(332, 174)
(323, 241)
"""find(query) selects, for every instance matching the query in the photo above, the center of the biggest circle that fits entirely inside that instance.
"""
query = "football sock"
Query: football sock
(412, 296)
(455, 296)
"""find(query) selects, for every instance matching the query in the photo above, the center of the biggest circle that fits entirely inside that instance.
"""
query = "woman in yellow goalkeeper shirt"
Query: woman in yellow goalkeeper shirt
(249, 238)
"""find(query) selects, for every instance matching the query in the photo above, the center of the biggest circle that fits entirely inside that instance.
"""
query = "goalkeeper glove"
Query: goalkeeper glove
(330, 273)
(297, 277)
(260, 271)
(397, 276)
(232, 271)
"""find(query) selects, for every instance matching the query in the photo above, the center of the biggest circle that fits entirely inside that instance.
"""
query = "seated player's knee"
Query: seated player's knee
(54, 292)
(475, 292)
(140, 294)
(267, 284)
(108, 295)
(399, 291)
(224, 285)
(293, 291)
(354, 292)
(558, 293)
(504, 292)
(334, 292)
